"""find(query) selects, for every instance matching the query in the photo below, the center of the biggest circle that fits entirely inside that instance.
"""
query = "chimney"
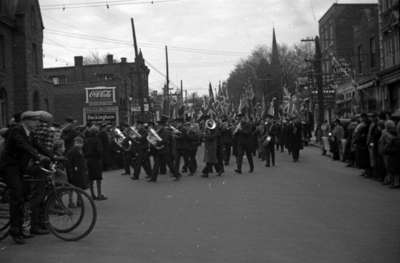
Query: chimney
(110, 59)
(78, 61)
(123, 60)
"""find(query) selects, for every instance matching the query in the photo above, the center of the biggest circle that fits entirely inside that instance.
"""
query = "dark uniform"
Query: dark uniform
(244, 145)
(226, 143)
(271, 131)
(163, 153)
(193, 141)
(140, 149)
(295, 139)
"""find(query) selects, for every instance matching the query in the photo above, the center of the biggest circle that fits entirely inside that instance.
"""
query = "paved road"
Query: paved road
(312, 211)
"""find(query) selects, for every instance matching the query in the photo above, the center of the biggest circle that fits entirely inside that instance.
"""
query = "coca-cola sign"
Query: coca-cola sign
(100, 96)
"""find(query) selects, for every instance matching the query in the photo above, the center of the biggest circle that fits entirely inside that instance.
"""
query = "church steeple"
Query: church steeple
(275, 52)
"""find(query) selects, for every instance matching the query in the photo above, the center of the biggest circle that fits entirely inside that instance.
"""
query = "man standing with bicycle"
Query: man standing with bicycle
(14, 161)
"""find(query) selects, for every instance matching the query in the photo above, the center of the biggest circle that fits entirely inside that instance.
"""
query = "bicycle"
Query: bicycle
(69, 212)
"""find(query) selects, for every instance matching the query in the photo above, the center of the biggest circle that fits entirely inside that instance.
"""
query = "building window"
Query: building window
(3, 108)
(35, 59)
(372, 51)
(58, 80)
(36, 101)
(47, 104)
(2, 52)
(359, 59)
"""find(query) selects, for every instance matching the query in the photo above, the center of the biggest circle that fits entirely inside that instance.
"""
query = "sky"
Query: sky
(205, 38)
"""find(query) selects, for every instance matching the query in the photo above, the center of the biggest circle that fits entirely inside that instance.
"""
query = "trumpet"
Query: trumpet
(154, 139)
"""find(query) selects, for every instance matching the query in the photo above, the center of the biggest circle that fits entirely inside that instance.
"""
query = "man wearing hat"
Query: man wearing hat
(181, 146)
(141, 151)
(19, 149)
(243, 137)
(163, 153)
(270, 133)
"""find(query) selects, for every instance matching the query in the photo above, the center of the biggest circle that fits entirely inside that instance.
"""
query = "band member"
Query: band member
(126, 148)
(181, 146)
(226, 140)
(269, 141)
(163, 153)
(295, 139)
(243, 134)
(211, 149)
(140, 149)
(194, 141)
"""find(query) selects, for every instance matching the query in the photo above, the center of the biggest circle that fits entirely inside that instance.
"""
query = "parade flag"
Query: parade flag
(271, 109)
(263, 105)
(210, 94)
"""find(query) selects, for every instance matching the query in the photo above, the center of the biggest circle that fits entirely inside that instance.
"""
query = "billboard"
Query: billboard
(98, 96)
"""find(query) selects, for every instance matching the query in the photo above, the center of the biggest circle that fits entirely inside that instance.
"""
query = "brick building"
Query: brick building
(97, 93)
(337, 36)
(22, 85)
(390, 49)
(366, 62)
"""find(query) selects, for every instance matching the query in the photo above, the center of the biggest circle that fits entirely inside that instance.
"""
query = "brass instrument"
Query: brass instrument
(134, 133)
(175, 131)
(154, 139)
(210, 124)
(238, 128)
(119, 138)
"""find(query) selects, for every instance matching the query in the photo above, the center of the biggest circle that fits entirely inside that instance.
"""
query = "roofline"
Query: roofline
(345, 4)
(90, 65)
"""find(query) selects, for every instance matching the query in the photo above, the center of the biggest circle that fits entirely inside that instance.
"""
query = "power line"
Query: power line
(102, 4)
(146, 44)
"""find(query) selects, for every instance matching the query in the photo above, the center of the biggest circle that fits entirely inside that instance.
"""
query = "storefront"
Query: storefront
(101, 106)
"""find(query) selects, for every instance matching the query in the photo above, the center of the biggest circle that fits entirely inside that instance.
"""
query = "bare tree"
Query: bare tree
(95, 58)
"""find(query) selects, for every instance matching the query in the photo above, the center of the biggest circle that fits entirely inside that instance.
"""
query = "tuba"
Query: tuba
(154, 139)
(210, 124)
(119, 139)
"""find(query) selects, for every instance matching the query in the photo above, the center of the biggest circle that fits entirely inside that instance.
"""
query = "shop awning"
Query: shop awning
(366, 85)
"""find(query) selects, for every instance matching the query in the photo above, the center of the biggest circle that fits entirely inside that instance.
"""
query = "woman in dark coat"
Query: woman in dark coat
(93, 153)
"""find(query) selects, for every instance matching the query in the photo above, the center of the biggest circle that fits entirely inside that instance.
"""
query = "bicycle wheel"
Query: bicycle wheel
(66, 220)
(4, 211)
(71, 213)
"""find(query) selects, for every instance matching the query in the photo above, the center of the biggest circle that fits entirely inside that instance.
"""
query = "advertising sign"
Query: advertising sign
(100, 96)
(100, 115)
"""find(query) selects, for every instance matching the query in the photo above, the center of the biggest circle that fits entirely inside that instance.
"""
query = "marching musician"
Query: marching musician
(226, 140)
(270, 133)
(211, 149)
(181, 146)
(194, 141)
(140, 148)
(243, 134)
(163, 151)
(126, 146)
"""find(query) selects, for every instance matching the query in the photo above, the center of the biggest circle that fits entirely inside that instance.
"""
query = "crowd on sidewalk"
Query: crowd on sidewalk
(370, 142)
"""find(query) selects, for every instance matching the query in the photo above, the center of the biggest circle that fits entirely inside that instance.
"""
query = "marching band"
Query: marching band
(156, 147)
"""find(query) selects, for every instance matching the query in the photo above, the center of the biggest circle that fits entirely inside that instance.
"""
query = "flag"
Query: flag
(271, 109)
(210, 94)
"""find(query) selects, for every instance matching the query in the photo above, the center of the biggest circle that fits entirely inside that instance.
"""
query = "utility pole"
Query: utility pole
(317, 63)
(138, 64)
(166, 90)
(182, 91)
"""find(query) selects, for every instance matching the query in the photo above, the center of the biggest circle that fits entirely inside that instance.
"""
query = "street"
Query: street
(312, 211)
